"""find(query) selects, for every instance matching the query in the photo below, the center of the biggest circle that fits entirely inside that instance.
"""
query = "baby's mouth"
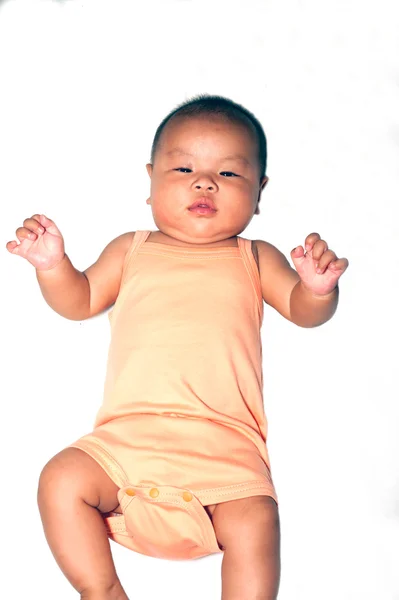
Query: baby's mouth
(203, 202)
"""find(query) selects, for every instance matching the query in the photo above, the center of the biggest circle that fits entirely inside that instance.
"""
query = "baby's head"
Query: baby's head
(211, 148)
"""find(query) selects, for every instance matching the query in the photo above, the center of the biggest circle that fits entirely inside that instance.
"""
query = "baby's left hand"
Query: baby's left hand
(319, 269)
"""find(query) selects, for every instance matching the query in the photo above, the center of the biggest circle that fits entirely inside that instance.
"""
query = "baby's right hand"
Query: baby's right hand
(41, 243)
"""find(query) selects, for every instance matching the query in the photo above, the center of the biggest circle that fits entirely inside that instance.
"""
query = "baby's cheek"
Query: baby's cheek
(163, 214)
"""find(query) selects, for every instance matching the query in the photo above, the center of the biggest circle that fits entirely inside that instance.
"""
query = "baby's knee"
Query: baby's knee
(249, 520)
(74, 475)
(62, 477)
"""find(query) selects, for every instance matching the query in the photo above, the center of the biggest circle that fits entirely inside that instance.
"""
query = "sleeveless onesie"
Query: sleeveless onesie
(182, 423)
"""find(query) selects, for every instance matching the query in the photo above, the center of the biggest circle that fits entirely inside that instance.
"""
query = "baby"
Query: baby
(177, 465)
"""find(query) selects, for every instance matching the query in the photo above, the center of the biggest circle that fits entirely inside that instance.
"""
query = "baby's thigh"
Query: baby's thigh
(247, 522)
(72, 474)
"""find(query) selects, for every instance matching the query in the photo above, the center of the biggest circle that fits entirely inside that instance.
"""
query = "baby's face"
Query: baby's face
(211, 158)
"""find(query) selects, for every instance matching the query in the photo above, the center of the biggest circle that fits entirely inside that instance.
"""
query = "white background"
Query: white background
(83, 86)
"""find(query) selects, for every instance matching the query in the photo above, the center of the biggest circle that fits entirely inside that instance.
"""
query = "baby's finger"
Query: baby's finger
(42, 219)
(48, 225)
(34, 225)
(340, 264)
(12, 247)
(325, 260)
(23, 233)
(319, 248)
(310, 240)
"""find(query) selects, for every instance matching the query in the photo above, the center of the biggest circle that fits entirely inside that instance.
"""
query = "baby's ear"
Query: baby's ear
(149, 169)
(263, 183)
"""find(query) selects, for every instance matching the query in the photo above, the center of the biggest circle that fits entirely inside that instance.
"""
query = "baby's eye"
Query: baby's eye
(183, 169)
(228, 174)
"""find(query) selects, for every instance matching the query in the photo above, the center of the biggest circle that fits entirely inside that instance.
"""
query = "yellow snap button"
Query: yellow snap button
(187, 496)
(130, 492)
(154, 492)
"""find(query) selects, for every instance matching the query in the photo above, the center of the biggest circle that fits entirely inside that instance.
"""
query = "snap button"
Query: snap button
(187, 496)
(154, 492)
(130, 492)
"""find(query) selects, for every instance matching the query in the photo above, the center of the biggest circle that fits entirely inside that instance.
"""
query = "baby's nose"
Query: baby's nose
(205, 181)
(208, 187)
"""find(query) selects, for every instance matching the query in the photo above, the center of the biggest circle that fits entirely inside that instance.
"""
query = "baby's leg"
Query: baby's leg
(249, 532)
(73, 490)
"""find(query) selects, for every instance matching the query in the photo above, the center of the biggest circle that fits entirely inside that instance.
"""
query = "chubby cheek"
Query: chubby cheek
(168, 204)
(165, 212)
(158, 212)
(241, 206)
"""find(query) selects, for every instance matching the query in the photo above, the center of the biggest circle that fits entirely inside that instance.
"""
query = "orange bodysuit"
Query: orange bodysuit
(182, 424)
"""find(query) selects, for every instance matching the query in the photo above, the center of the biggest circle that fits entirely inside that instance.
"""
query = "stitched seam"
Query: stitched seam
(118, 531)
(162, 493)
(227, 251)
(233, 486)
(218, 492)
(106, 459)
(152, 246)
(160, 501)
(114, 465)
(225, 489)
(186, 255)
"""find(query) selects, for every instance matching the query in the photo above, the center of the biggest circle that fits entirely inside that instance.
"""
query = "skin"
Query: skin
(201, 166)
(73, 490)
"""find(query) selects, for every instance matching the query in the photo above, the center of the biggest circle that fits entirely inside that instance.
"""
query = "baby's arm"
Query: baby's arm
(105, 275)
(80, 295)
(278, 278)
(308, 297)
(71, 293)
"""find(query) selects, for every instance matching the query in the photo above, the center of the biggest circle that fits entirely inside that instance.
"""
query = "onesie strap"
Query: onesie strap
(245, 246)
(138, 240)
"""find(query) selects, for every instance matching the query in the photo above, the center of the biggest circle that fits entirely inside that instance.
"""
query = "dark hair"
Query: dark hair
(217, 106)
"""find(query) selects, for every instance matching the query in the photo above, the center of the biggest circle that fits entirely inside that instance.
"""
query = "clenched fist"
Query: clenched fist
(318, 267)
(41, 243)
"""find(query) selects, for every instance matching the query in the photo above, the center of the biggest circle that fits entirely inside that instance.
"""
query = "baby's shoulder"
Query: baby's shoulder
(105, 275)
(265, 250)
(262, 251)
(269, 259)
(125, 239)
(119, 246)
